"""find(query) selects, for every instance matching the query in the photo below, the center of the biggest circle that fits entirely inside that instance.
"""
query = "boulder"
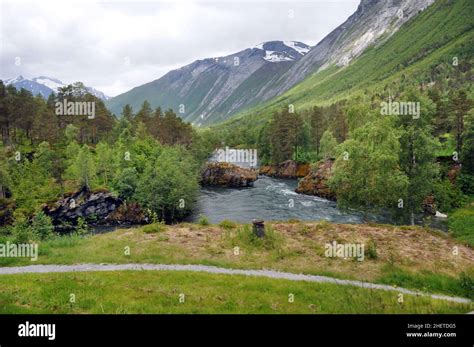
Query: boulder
(286, 169)
(315, 183)
(429, 205)
(95, 207)
(228, 175)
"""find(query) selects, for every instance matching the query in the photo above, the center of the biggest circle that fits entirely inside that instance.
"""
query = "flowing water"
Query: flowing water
(269, 199)
(275, 199)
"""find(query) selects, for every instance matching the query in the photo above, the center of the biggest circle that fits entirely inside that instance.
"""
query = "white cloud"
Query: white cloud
(93, 41)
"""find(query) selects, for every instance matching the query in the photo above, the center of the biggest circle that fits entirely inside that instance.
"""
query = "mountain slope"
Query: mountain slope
(214, 88)
(443, 31)
(374, 21)
(212, 91)
(45, 86)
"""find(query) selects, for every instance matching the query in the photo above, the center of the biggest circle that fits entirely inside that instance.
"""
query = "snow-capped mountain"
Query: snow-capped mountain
(211, 89)
(46, 85)
(214, 89)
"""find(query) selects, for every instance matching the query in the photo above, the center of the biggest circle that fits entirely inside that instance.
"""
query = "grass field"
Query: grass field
(162, 292)
(409, 257)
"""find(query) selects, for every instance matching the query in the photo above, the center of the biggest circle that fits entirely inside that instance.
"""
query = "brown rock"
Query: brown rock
(229, 175)
(429, 205)
(286, 169)
(315, 183)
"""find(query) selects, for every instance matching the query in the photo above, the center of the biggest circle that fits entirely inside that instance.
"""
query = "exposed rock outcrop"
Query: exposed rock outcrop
(229, 175)
(7, 207)
(287, 169)
(315, 183)
(95, 207)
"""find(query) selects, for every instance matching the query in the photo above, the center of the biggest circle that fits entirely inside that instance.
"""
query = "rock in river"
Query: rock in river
(228, 175)
(315, 183)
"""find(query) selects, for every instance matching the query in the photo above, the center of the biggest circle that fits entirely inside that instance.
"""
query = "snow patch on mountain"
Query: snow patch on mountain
(276, 57)
(294, 45)
(51, 83)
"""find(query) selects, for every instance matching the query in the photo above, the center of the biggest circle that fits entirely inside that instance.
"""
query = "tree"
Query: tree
(466, 177)
(104, 162)
(417, 152)
(460, 105)
(317, 126)
(366, 174)
(169, 184)
(144, 114)
(286, 135)
(83, 168)
(328, 145)
(127, 113)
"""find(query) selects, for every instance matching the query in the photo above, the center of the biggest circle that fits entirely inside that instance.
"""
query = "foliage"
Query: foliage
(203, 220)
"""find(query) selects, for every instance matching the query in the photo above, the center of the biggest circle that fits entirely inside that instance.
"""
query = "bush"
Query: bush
(466, 183)
(203, 220)
(466, 282)
(461, 224)
(227, 224)
(21, 231)
(154, 228)
(448, 196)
(270, 241)
(41, 226)
(82, 228)
(371, 251)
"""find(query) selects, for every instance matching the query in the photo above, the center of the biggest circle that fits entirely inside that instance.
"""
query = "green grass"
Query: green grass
(127, 292)
(292, 247)
(430, 282)
(461, 224)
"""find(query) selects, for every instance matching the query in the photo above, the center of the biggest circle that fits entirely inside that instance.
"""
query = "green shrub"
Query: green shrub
(154, 228)
(270, 241)
(227, 224)
(42, 227)
(371, 250)
(461, 224)
(466, 282)
(82, 228)
(466, 183)
(203, 220)
(448, 196)
(21, 231)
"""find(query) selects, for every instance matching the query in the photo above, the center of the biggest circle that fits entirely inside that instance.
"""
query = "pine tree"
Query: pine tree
(317, 126)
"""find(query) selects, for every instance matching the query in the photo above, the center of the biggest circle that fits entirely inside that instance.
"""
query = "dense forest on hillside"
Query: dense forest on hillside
(151, 158)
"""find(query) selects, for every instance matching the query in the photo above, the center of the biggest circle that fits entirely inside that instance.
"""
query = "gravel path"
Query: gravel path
(218, 270)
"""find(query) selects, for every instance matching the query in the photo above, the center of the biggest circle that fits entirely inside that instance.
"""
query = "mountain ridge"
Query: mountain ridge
(45, 86)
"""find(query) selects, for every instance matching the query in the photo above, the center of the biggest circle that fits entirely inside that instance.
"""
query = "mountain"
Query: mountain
(419, 52)
(374, 21)
(46, 85)
(212, 89)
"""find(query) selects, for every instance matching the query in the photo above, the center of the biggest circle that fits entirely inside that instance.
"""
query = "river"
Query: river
(269, 199)
(275, 199)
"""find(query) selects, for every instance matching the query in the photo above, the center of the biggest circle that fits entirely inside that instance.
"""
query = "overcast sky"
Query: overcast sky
(115, 46)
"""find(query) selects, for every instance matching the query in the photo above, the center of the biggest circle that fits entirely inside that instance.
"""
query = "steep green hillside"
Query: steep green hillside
(434, 37)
